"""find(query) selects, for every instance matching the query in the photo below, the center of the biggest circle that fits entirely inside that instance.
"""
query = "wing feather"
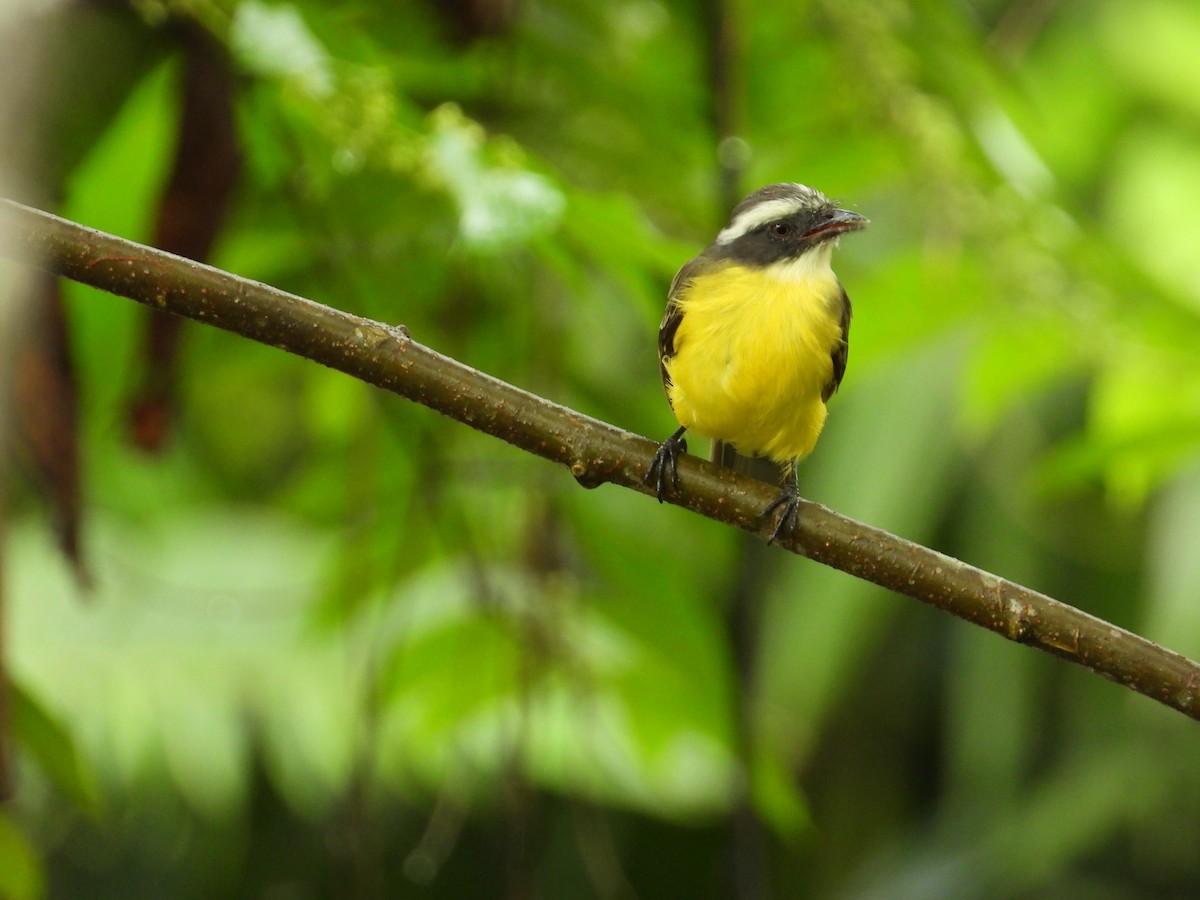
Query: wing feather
(673, 315)
(841, 351)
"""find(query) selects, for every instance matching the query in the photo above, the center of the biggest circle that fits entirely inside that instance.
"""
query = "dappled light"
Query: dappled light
(270, 631)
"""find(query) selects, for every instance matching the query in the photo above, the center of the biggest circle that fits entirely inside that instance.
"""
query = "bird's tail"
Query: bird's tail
(758, 467)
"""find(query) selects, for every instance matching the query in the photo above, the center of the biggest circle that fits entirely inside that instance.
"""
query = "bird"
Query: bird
(755, 339)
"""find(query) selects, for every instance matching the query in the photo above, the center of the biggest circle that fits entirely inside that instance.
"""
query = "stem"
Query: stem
(595, 452)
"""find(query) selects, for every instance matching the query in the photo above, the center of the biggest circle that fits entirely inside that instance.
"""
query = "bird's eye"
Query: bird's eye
(781, 229)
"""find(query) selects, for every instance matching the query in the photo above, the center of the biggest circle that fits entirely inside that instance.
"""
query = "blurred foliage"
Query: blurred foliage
(339, 646)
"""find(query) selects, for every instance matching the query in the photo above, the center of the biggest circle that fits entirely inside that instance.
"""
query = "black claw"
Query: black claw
(789, 501)
(664, 466)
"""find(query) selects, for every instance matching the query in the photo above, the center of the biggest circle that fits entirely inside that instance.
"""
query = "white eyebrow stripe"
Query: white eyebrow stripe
(758, 216)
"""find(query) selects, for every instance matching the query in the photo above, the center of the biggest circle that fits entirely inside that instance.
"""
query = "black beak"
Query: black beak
(837, 222)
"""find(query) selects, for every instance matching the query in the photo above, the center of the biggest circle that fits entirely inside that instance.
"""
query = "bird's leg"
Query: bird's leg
(788, 503)
(663, 467)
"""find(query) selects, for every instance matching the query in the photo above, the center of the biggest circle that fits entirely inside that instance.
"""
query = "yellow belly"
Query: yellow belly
(752, 357)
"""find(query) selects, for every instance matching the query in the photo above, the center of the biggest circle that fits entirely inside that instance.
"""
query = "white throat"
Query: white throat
(812, 265)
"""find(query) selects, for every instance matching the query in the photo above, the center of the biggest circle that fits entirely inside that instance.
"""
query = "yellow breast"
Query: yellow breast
(753, 354)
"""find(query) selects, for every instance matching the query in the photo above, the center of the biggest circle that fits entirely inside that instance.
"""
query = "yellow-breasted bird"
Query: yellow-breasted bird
(755, 337)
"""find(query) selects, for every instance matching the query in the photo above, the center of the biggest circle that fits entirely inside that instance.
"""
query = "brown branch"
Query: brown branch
(594, 452)
(191, 210)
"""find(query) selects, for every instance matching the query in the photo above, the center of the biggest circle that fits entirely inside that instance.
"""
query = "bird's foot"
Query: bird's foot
(663, 468)
(788, 504)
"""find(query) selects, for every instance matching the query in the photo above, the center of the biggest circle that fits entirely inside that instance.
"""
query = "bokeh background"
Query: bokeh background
(270, 633)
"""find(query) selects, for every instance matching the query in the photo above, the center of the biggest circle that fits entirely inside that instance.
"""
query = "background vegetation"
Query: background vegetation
(335, 646)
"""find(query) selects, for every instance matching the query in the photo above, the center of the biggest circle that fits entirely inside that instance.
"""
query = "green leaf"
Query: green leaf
(1170, 73)
(52, 746)
(20, 870)
(274, 41)
(499, 203)
(775, 794)
(1138, 434)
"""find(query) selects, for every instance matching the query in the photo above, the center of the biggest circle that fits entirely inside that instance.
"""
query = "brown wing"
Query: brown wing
(674, 315)
(841, 350)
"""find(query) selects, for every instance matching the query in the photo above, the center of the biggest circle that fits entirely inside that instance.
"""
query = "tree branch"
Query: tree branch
(594, 452)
